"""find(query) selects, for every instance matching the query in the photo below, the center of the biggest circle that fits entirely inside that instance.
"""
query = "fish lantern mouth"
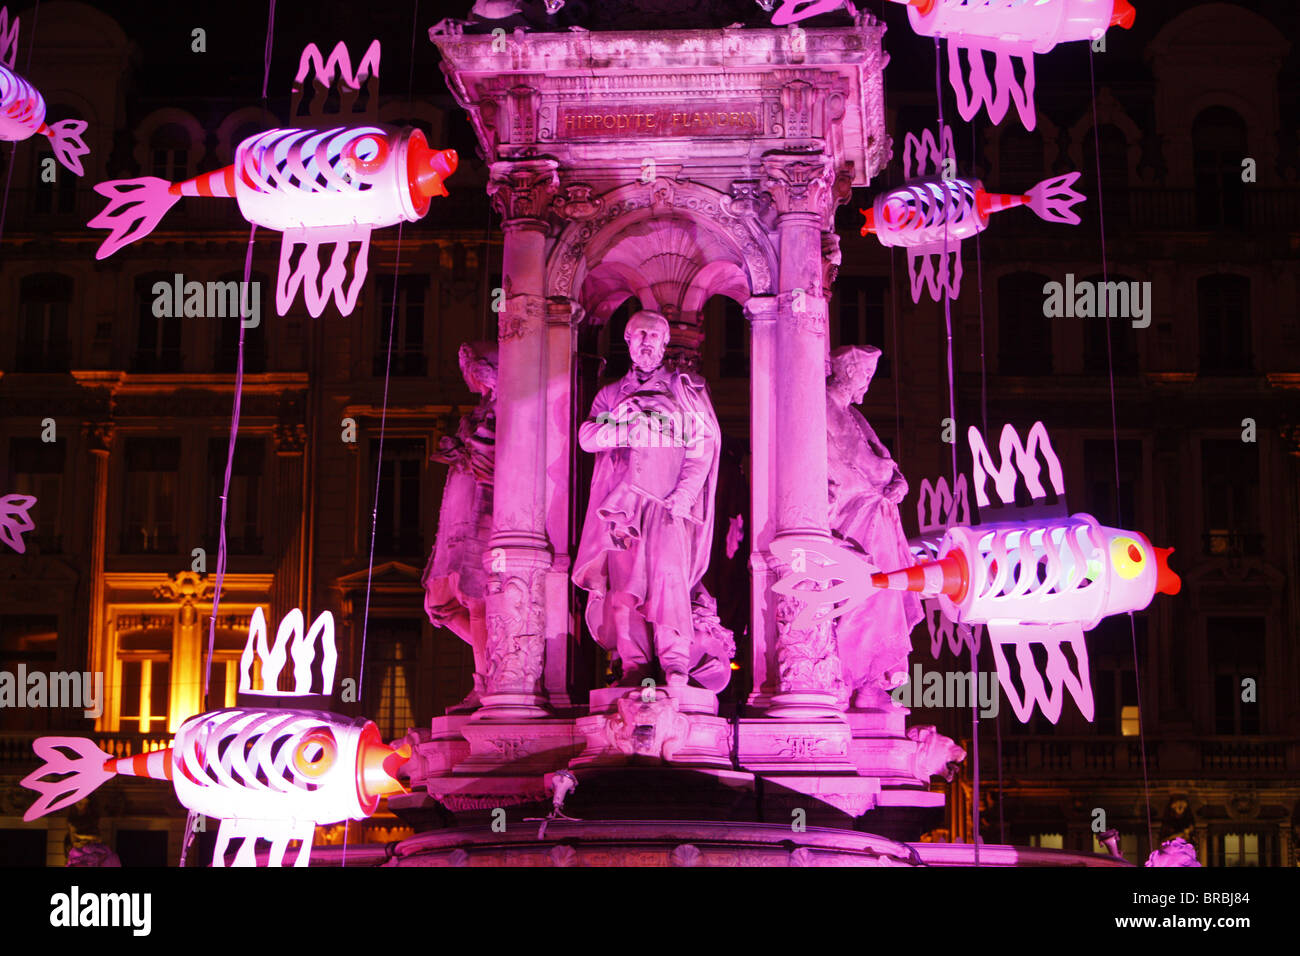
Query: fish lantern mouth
(377, 765)
(1123, 15)
(1167, 582)
(426, 169)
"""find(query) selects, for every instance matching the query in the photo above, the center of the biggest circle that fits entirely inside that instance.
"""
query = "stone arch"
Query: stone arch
(595, 252)
(1110, 112)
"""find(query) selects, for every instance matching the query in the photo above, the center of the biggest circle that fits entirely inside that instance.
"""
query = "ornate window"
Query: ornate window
(152, 483)
(46, 300)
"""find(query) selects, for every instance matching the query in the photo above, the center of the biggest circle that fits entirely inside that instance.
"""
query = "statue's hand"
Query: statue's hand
(896, 490)
(679, 503)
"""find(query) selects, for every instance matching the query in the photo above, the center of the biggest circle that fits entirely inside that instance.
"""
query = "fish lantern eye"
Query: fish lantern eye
(1128, 557)
(316, 752)
(367, 154)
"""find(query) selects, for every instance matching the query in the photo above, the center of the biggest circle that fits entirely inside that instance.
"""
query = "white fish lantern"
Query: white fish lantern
(267, 773)
(319, 187)
(931, 216)
(1009, 29)
(22, 108)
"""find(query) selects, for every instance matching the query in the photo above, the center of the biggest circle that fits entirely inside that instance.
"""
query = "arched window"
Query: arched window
(1223, 311)
(860, 315)
(1219, 146)
(1114, 174)
(1024, 333)
(44, 300)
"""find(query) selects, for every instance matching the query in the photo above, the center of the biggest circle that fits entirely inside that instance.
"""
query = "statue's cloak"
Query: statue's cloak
(620, 517)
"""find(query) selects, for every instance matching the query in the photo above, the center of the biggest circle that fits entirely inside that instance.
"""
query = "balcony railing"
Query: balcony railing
(149, 541)
(1084, 756)
(1233, 543)
(16, 746)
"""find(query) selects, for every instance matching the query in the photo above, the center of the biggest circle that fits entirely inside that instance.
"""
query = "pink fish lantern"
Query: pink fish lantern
(22, 108)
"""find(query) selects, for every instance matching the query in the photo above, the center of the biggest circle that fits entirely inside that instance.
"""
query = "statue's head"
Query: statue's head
(647, 339)
(478, 366)
(852, 368)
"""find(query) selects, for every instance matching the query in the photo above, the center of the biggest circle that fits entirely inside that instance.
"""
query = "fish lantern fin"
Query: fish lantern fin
(8, 39)
(834, 578)
(1052, 199)
(792, 11)
(300, 266)
(937, 268)
(16, 519)
(74, 777)
(135, 207)
(1058, 673)
(973, 88)
(69, 147)
(336, 69)
(923, 156)
(244, 834)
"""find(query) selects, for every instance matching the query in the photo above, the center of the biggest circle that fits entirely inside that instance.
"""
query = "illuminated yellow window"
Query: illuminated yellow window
(1128, 720)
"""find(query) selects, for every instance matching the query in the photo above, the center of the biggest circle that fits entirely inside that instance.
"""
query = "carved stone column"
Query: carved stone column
(286, 592)
(520, 555)
(800, 184)
(99, 442)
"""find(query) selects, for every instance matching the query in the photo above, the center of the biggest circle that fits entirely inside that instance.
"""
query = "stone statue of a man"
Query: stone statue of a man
(649, 526)
(455, 581)
(865, 487)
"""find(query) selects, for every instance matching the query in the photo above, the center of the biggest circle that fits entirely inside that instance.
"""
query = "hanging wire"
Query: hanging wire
(13, 147)
(984, 420)
(234, 433)
(1114, 431)
(383, 419)
(952, 413)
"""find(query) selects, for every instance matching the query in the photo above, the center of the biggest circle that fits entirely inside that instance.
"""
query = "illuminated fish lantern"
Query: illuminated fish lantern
(1038, 581)
(324, 186)
(22, 108)
(1011, 30)
(934, 211)
(269, 772)
(16, 520)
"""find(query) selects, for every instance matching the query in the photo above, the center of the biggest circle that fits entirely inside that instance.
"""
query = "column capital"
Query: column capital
(290, 438)
(522, 190)
(799, 183)
(99, 436)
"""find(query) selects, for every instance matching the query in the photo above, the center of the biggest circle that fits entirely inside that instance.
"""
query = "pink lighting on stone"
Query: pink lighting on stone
(22, 108)
(320, 188)
(1010, 29)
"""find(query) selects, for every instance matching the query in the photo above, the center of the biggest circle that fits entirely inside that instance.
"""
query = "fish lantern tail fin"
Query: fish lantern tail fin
(1052, 199)
(62, 780)
(69, 147)
(135, 207)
